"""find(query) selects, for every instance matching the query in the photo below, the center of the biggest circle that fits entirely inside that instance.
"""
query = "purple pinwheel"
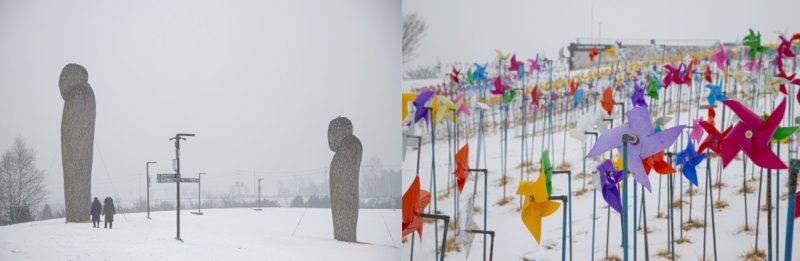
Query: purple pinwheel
(419, 103)
(637, 98)
(609, 178)
(643, 143)
(688, 159)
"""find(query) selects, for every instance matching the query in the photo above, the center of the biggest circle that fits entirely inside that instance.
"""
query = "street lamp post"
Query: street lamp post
(178, 137)
(199, 202)
(147, 167)
(259, 194)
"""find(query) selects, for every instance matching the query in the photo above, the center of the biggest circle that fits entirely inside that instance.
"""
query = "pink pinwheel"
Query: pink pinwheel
(680, 75)
(785, 48)
(720, 57)
(697, 131)
(644, 142)
(752, 136)
(534, 65)
(499, 88)
(514, 64)
(753, 65)
(462, 104)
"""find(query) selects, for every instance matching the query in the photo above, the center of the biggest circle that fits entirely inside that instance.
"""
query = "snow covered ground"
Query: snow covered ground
(220, 234)
(513, 241)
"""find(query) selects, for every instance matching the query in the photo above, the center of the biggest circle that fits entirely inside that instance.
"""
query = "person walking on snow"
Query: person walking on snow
(95, 211)
(109, 211)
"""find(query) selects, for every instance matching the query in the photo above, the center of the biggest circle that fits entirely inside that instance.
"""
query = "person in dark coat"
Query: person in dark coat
(109, 211)
(95, 211)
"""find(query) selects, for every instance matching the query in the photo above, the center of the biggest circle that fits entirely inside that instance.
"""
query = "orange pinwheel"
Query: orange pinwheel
(657, 163)
(414, 202)
(462, 168)
(592, 53)
(608, 101)
(572, 87)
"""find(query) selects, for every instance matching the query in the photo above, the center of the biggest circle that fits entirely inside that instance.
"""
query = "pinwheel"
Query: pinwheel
(784, 50)
(753, 43)
(480, 72)
(715, 94)
(406, 98)
(499, 88)
(610, 52)
(573, 87)
(652, 87)
(753, 65)
(720, 57)
(515, 65)
(509, 96)
(714, 137)
(697, 131)
(534, 65)
(470, 77)
(419, 104)
(454, 76)
(644, 142)
(637, 98)
(590, 121)
(535, 96)
(443, 108)
(461, 102)
(414, 202)
(546, 170)
(608, 101)
(500, 56)
(466, 238)
(592, 53)
(676, 75)
(577, 98)
(656, 162)
(752, 136)
(609, 180)
(688, 159)
(707, 73)
(462, 167)
(537, 205)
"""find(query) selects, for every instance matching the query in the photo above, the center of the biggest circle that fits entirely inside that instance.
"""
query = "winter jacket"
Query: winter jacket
(108, 210)
(96, 209)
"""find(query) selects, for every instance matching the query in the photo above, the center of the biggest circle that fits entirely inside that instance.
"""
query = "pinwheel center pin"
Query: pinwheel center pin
(748, 134)
(633, 139)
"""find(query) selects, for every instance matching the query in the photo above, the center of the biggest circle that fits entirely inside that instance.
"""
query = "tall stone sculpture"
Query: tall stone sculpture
(77, 140)
(344, 178)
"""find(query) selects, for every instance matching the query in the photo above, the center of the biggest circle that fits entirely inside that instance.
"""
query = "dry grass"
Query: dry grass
(649, 229)
(477, 210)
(754, 255)
(744, 229)
(582, 175)
(718, 184)
(661, 215)
(692, 224)
(524, 164)
(720, 204)
(405, 239)
(691, 191)
(612, 258)
(665, 254)
(581, 192)
(677, 203)
(451, 246)
(503, 201)
(683, 240)
(564, 166)
(503, 181)
(746, 189)
(766, 207)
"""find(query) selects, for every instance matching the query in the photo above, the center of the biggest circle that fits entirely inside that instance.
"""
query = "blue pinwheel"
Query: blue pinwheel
(480, 72)
(715, 94)
(577, 98)
(689, 159)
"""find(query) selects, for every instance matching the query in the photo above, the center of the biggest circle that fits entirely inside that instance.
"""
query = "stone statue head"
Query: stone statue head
(338, 129)
(71, 75)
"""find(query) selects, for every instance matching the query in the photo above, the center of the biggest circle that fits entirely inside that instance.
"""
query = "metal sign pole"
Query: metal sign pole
(177, 139)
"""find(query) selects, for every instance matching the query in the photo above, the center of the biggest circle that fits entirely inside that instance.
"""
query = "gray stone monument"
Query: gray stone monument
(344, 178)
(77, 140)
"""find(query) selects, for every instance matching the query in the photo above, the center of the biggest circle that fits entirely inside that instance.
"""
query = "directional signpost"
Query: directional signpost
(176, 178)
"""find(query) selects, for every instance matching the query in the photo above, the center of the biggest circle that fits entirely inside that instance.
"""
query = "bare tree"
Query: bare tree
(21, 183)
(413, 29)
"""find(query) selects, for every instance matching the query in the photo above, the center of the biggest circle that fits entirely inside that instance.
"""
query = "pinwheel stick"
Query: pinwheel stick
(594, 197)
(491, 234)
(446, 220)
(623, 110)
(709, 199)
(569, 205)
(794, 167)
(625, 140)
(485, 206)
(565, 201)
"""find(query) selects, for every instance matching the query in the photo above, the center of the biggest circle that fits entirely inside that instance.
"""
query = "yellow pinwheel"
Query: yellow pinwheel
(407, 97)
(443, 108)
(537, 205)
(501, 56)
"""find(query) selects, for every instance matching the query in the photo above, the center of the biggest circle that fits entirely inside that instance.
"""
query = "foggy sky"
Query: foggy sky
(470, 30)
(257, 81)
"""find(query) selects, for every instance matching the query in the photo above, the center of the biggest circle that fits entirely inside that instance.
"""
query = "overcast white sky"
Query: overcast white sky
(257, 81)
(470, 30)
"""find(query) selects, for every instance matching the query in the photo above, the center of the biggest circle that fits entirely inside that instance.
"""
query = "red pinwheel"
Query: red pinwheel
(462, 167)
(713, 137)
(657, 163)
(752, 136)
(535, 96)
(454, 76)
(707, 73)
(608, 101)
(592, 53)
(414, 202)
